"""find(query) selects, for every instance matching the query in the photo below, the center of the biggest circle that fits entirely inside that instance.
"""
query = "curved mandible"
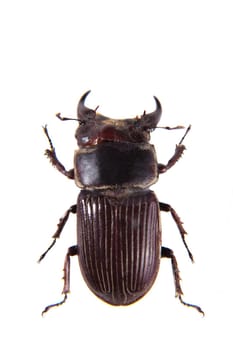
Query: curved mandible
(150, 120)
(84, 112)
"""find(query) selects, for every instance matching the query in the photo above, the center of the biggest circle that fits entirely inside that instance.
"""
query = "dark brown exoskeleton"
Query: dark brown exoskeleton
(118, 216)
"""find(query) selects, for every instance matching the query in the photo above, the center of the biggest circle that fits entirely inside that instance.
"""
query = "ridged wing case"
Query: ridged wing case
(119, 241)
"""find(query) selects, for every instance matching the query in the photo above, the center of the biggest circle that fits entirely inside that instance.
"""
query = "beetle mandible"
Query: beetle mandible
(118, 216)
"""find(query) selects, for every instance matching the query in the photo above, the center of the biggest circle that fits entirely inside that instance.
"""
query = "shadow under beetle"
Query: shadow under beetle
(118, 216)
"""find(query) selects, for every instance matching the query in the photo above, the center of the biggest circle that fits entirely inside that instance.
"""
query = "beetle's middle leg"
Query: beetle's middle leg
(168, 253)
(176, 218)
(66, 287)
(60, 227)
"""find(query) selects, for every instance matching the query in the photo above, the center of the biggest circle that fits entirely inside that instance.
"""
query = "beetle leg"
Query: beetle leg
(60, 227)
(51, 154)
(66, 288)
(176, 218)
(177, 155)
(168, 253)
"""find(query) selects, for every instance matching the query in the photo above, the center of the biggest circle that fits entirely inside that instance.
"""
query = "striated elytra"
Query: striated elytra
(119, 238)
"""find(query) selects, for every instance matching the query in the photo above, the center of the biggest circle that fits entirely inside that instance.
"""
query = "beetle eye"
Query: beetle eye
(81, 122)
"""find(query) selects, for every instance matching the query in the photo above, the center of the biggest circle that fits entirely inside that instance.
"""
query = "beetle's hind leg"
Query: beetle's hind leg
(168, 253)
(60, 227)
(66, 287)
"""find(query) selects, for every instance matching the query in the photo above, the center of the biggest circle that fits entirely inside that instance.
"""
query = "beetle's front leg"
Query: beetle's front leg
(66, 288)
(60, 227)
(168, 253)
(51, 154)
(177, 155)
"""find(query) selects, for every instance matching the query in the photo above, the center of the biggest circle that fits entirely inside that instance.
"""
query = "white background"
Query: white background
(126, 52)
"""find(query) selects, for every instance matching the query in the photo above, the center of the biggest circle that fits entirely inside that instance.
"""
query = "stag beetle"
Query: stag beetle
(118, 216)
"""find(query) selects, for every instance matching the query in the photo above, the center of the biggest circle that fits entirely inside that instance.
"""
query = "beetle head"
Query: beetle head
(95, 128)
